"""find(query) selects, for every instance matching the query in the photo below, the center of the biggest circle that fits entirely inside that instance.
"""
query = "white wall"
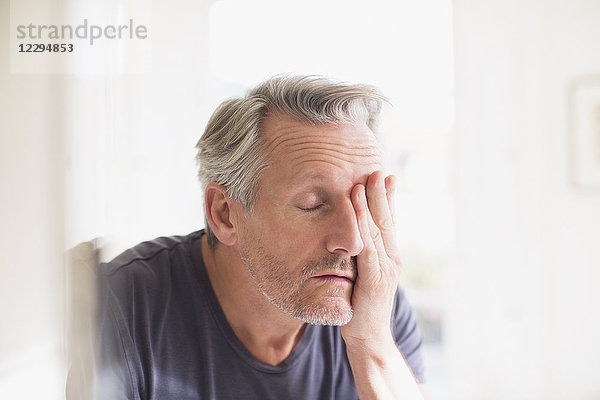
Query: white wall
(131, 174)
(31, 238)
(523, 318)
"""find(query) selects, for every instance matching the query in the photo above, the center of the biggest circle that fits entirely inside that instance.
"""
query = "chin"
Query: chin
(333, 311)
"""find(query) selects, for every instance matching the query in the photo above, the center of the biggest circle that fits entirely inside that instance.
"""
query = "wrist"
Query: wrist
(374, 344)
(379, 369)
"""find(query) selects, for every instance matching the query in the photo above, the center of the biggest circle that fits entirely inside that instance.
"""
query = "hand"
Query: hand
(380, 371)
(378, 264)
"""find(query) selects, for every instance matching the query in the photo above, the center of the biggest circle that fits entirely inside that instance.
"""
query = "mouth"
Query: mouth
(336, 277)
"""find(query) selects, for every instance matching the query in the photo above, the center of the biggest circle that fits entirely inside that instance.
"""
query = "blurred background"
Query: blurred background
(494, 133)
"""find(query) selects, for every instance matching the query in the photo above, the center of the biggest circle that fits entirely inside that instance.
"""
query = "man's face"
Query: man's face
(300, 243)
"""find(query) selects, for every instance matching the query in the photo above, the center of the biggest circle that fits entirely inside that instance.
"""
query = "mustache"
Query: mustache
(330, 263)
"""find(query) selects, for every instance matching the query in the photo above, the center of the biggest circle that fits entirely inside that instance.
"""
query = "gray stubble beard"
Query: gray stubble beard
(287, 296)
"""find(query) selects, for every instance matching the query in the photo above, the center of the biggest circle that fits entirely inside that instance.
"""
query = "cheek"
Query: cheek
(301, 240)
(289, 234)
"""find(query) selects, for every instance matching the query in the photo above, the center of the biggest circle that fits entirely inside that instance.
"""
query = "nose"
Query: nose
(344, 236)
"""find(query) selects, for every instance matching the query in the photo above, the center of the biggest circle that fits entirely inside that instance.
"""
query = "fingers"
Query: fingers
(367, 260)
(380, 203)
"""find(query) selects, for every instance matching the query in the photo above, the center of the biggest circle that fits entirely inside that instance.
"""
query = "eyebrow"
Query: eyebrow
(307, 178)
(298, 191)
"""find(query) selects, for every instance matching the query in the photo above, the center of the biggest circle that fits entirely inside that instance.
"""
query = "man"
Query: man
(291, 291)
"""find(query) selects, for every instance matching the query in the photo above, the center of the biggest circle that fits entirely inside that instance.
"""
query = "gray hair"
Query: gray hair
(229, 151)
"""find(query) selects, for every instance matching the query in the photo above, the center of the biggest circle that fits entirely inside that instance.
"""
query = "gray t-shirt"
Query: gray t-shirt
(163, 335)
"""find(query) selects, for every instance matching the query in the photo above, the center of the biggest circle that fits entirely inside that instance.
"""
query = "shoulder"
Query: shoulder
(142, 292)
(150, 259)
(403, 314)
(148, 251)
(150, 271)
(407, 334)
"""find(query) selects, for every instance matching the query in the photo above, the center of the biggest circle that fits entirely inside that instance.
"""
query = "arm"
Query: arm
(380, 372)
(379, 369)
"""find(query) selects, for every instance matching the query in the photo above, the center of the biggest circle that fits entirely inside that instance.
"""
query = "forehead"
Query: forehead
(298, 150)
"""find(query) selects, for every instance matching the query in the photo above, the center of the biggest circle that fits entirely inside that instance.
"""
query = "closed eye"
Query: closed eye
(315, 208)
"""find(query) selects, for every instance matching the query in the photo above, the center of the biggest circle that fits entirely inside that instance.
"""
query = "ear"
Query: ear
(218, 213)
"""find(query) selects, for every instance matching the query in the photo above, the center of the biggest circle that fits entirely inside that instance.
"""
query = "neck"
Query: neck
(269, 334)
